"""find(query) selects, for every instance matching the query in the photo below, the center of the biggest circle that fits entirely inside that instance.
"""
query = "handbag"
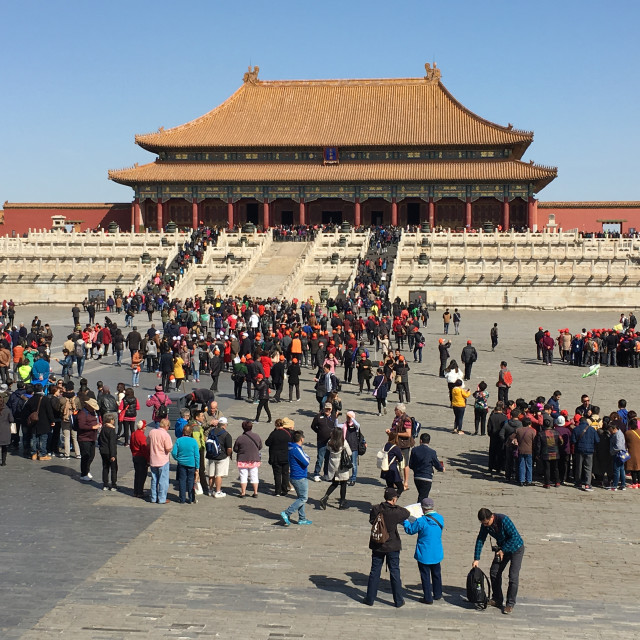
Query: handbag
(397, 378)
(345, 461)
(33, 416)
(623, 456)
(362, 444)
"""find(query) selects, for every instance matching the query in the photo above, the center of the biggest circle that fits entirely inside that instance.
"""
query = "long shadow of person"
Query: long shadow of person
(338, 585)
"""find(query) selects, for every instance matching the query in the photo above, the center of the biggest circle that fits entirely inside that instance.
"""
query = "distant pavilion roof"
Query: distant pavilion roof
(322, 113)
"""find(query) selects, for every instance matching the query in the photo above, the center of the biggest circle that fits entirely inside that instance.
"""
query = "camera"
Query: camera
(495, 548)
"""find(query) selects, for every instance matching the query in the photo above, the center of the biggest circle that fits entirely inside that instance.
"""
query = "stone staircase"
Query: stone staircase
(266, 277)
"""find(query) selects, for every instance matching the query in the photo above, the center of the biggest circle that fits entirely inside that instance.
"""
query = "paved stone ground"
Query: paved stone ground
(77, 563)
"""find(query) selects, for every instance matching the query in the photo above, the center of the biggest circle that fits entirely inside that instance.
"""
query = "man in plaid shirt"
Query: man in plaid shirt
(509, 549)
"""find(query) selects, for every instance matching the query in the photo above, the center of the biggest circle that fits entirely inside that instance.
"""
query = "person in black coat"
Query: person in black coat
(262, 389)
(108, 447)
(215, 367)
(277, 377)
(294, 372)
(278, 443)
(443, 349)
(40, 429)
(393, 515)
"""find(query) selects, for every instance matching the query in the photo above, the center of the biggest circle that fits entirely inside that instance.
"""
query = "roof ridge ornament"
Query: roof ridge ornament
(251, 76)
(433, 73)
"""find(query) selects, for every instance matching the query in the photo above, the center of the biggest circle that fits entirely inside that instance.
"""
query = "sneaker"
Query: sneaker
(305, 522)
(78, 457)
(317, 478)
(613, 489)
(622, 489)
(285, 518)
(89, 476)
(507, 610)
(588, 488)
(114, 488)
(557, 484)
(43, 458)
(105, 488)
(219, 494)
(85, 478)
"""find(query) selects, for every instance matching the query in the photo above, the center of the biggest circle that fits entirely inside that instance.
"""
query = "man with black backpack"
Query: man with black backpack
(385, 544)
(509, 549)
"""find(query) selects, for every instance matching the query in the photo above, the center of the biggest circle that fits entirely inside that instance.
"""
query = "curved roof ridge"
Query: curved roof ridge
(232, 98)
(531, 163)
(459, 105)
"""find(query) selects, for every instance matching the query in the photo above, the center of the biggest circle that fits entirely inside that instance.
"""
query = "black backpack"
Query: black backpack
(476, 592)
(130, 408)
(161, 411)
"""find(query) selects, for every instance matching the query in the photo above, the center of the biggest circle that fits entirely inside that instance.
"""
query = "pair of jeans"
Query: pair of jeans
(39, 444)
(525, 464)
(87, 454)
(186, 479)
(322, 462)
(354, 461)
(431, 578)
(480, 420)
(135, 377)
(141, 467)
(497, 567)
(423, 486)
(458, 413)
(119, 356)
(301, 487)
(159, 483)
(109, 465)
(619, 481)
(280, 477)
(417, 354)
(80, 364)
(393, 562)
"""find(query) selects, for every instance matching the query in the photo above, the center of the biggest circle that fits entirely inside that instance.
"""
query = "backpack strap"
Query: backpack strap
(432, 518)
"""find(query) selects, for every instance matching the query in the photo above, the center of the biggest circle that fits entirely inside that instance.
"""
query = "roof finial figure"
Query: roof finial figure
(251, 75)
(433, 73)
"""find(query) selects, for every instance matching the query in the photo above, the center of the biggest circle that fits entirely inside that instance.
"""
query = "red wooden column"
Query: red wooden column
(194, 214)
(159, 222)
(467, 209)
(133, 216)
(302, 212)
(532, 218)
(139, 222)
(506, 223)
(394, 213)
(356, 213)
(230, 213)
(432, 213)
(265, 215)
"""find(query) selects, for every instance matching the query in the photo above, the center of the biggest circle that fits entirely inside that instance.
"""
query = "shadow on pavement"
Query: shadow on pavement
(338, 585)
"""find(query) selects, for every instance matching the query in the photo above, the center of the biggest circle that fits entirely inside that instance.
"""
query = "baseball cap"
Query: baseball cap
(427, 503)
(328, 405)
(560, 421)
(222, 420)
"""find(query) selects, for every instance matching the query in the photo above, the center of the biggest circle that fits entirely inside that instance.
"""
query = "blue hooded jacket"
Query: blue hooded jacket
(429, 544)
(298, 461)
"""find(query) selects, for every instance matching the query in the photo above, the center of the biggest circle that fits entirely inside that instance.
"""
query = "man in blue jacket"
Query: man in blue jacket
(298, 463)
(423, 461)
(584, 437)
(429, 552)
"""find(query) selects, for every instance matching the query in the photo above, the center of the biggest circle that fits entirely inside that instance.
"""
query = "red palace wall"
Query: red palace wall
(20, 217)
(589, 217)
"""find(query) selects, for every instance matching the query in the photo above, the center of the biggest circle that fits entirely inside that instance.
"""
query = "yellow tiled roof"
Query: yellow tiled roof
(321, 113)
(348, 172)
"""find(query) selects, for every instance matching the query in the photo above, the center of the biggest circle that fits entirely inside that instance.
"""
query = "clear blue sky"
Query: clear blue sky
(79, 79)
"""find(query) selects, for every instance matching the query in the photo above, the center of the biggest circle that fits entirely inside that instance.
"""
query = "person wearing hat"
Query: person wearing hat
(468, 356)
(564, 459)
(262, 389)
(322, 426)
(429, 552)
(277, 377)
(443, 349)
(393, 515)
(363, 366)
(88, 425)
(218, 467)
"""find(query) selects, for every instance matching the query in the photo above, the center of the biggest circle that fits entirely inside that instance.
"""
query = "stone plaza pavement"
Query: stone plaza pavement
(77, 563)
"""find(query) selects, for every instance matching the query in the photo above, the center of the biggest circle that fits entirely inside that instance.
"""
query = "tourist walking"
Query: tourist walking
(494, 336)
(394, 463)
(388, 551)
(422, 461)
(380, 391)
(339, 467)
(108, 447)
(468, 356)
(6, 422)
(187, 454)
(298, 465)
(429, 551)
(459, 397)
(480, 408)
(88, 425)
